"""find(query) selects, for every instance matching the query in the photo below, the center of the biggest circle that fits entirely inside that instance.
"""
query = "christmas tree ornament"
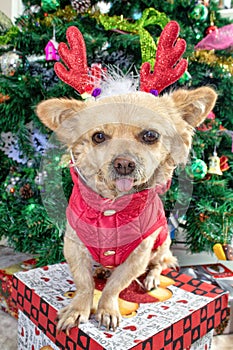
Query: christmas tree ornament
(25, 191)
(197, 170)
(51, 53)
(35, 8)
(199, 13)
(4, 98)
(50, 5)
(224, 166)
(214, 165)
(40, 178)
(81, 6)
(219, 252)
(203, 217)
(228, 251)
(212, 27)
(10, 62)
(11, 182)
(102, 7)
(11, 189)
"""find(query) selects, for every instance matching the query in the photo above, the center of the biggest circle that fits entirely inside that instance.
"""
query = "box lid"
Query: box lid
(194, 309)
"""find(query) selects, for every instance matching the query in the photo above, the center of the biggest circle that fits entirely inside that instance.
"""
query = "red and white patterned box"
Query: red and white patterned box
(6, 277)
(187, 317)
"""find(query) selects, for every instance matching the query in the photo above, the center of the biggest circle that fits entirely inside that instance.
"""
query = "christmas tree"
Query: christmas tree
(35, 181)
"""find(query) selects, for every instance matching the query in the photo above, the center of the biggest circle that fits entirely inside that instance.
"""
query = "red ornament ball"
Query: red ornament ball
(210, 29)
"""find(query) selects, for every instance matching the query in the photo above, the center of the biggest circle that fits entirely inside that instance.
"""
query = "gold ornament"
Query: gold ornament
(214, 165)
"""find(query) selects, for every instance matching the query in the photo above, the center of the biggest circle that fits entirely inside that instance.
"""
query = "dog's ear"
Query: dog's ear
(195, 105)
(53, 112)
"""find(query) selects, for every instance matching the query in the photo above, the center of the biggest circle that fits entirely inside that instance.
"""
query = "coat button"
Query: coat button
(109, 252)
(109, 212)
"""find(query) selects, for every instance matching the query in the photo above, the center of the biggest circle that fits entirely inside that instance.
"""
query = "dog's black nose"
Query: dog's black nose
(124, 166)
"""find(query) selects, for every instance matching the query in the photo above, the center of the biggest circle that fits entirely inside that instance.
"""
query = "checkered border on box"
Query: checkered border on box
(44, 315)
(188, 330)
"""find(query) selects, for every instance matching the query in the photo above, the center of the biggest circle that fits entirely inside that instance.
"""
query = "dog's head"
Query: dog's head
(126, 143)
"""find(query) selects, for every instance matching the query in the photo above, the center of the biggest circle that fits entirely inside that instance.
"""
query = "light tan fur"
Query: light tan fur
(123, 118)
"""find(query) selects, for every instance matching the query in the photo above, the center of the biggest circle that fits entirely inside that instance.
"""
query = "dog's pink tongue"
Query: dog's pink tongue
(124, 185)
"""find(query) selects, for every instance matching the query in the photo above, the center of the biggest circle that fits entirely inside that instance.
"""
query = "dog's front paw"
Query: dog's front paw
(108, 315)
(72, 315)
(151, 282)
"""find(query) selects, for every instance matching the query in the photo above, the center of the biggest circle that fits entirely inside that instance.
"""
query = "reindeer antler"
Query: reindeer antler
(167, 69)
(78, 75)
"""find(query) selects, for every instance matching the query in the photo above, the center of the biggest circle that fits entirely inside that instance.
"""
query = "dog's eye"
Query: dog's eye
(149, 136)
(98, 137)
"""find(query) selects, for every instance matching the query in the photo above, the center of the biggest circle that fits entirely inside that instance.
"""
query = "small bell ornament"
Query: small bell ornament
(214, 164)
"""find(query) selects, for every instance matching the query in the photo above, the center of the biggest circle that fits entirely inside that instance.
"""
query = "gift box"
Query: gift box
(183, 317)
(221, 276)
(6, 277)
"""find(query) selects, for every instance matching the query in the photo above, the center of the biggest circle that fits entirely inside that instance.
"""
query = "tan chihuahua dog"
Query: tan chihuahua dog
(124, 149)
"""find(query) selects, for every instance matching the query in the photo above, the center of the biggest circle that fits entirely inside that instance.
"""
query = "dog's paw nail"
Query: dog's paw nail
(110, 320)
(77, 321)
(151, 282)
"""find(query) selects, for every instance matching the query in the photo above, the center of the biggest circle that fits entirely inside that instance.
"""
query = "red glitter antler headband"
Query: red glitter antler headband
(78, 75)
(167, 69)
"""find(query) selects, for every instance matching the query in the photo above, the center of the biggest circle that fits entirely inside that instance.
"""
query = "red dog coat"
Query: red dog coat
(112, 229)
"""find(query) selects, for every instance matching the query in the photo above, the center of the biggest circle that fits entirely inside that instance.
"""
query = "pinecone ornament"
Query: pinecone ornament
(26, 191)
(81, 6)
